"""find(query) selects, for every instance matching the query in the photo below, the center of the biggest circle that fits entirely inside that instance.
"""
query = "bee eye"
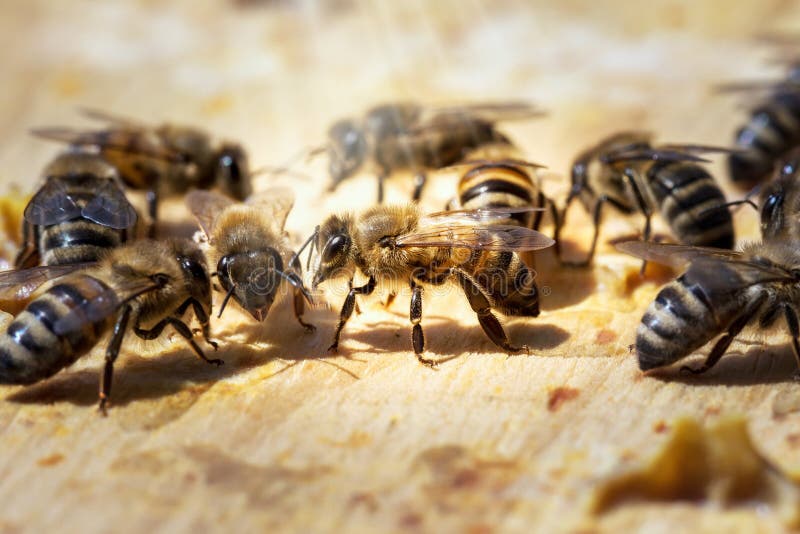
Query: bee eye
(335, 247)
(770, 205)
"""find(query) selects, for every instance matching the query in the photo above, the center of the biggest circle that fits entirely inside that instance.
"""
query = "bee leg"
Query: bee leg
(152, 211)
(348, 307)
(556, 222)
(725, 341)
(415, 315)
(643, 206)
(389, 299)
(112, 351)
(28, 255)
(202, 318)
(179, 327)
(596, 218)
(794, 330)
(381, 180)
(483, 308)
(419, 183)
(299, 308)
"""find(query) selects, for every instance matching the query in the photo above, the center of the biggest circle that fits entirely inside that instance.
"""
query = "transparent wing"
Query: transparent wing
(111, 118)
(123, 140)
(497, 237)
(675, 255)
(19, 285)
(51, 205)
(103, 305)
(488, 111)
(649, 154)
(698, 149)
(110, 207)
(757, 85)
(275, 202)
(508, 162)
(479, 216)
(205, 206)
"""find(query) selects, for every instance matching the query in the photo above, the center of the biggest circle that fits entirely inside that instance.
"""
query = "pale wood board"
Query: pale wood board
(278, 439)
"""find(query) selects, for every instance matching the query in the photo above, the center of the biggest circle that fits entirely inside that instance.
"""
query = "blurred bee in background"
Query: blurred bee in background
(779, 201)
(405, 135)
(394, 245)
(505, 183)
(721, 291)
(772, 130)
(162, 160)
(78, 213)
(251, 249)
(147, 286)
(626, 171)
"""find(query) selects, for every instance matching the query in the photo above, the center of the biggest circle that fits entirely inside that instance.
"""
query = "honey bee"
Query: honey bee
(397, 245)
(251, 249)
(78, 213)
(506, 183)
(406, 135)
(626, 171)
(162, 160)
(779, 201)
(772, 130)
(146, 286)
(720, 291)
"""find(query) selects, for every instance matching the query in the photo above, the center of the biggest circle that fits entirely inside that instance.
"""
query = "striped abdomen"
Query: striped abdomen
(498, 186)
(76, 241)
(692, 204)
(507, 280)
(773, 130)
(685, 315)
(30, 350)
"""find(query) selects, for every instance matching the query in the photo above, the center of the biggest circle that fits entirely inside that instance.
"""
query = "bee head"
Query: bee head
(335, 246)
(232, 172)
(252, 278)
(347, 149)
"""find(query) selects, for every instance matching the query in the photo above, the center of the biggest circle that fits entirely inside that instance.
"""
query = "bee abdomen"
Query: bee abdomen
(693, 205)
(492, 186)
(676, 323)
(30, 350)
(509, 282)
(772, 130)
(77, 241)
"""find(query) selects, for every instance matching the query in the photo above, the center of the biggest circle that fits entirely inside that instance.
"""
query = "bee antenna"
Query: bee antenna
(225, 301)
(311, 239)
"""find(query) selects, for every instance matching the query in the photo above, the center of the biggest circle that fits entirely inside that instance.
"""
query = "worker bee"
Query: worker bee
(505, 183)
(162, 160)
(406, 135)
(772, 130)
(396, 245)
(146, 285)
(78, 213)
(626, 171)
(250, 248)
(720, 291)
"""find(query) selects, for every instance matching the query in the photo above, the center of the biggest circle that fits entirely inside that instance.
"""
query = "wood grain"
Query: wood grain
(283, 437)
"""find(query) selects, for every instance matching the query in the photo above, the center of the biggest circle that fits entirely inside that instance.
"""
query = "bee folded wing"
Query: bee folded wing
(52, 204)
(110, 207)
(275, 203)
(20, 284)
(102, 305)
(112, 118)
(487, 111)
(205, 206)
(128, 141)
(479, 237)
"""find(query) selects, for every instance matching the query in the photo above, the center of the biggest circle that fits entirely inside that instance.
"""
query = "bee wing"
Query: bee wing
(132, 141)
(650, 154)
(509, 162)
(205, 206)
(698, 149)
(757, 85)
(51, 204)
(478, 216)
(675, 255)
(103, 305)
(275, 202)
(113, 119)
(20, 284)
(488, 111)
(110, 207)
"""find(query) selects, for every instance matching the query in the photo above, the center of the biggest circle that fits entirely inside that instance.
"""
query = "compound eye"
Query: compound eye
(770, 205)
(334, 248)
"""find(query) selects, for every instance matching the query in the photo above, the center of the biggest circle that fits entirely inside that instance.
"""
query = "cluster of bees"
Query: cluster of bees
(83, 274)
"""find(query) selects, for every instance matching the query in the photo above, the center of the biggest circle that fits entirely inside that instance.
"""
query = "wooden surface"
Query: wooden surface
(287, 438)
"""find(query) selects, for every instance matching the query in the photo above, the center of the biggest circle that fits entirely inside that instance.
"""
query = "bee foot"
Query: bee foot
(432, 364)
(102, 406)
(213, 343)
(333, 349)
(216, 361)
